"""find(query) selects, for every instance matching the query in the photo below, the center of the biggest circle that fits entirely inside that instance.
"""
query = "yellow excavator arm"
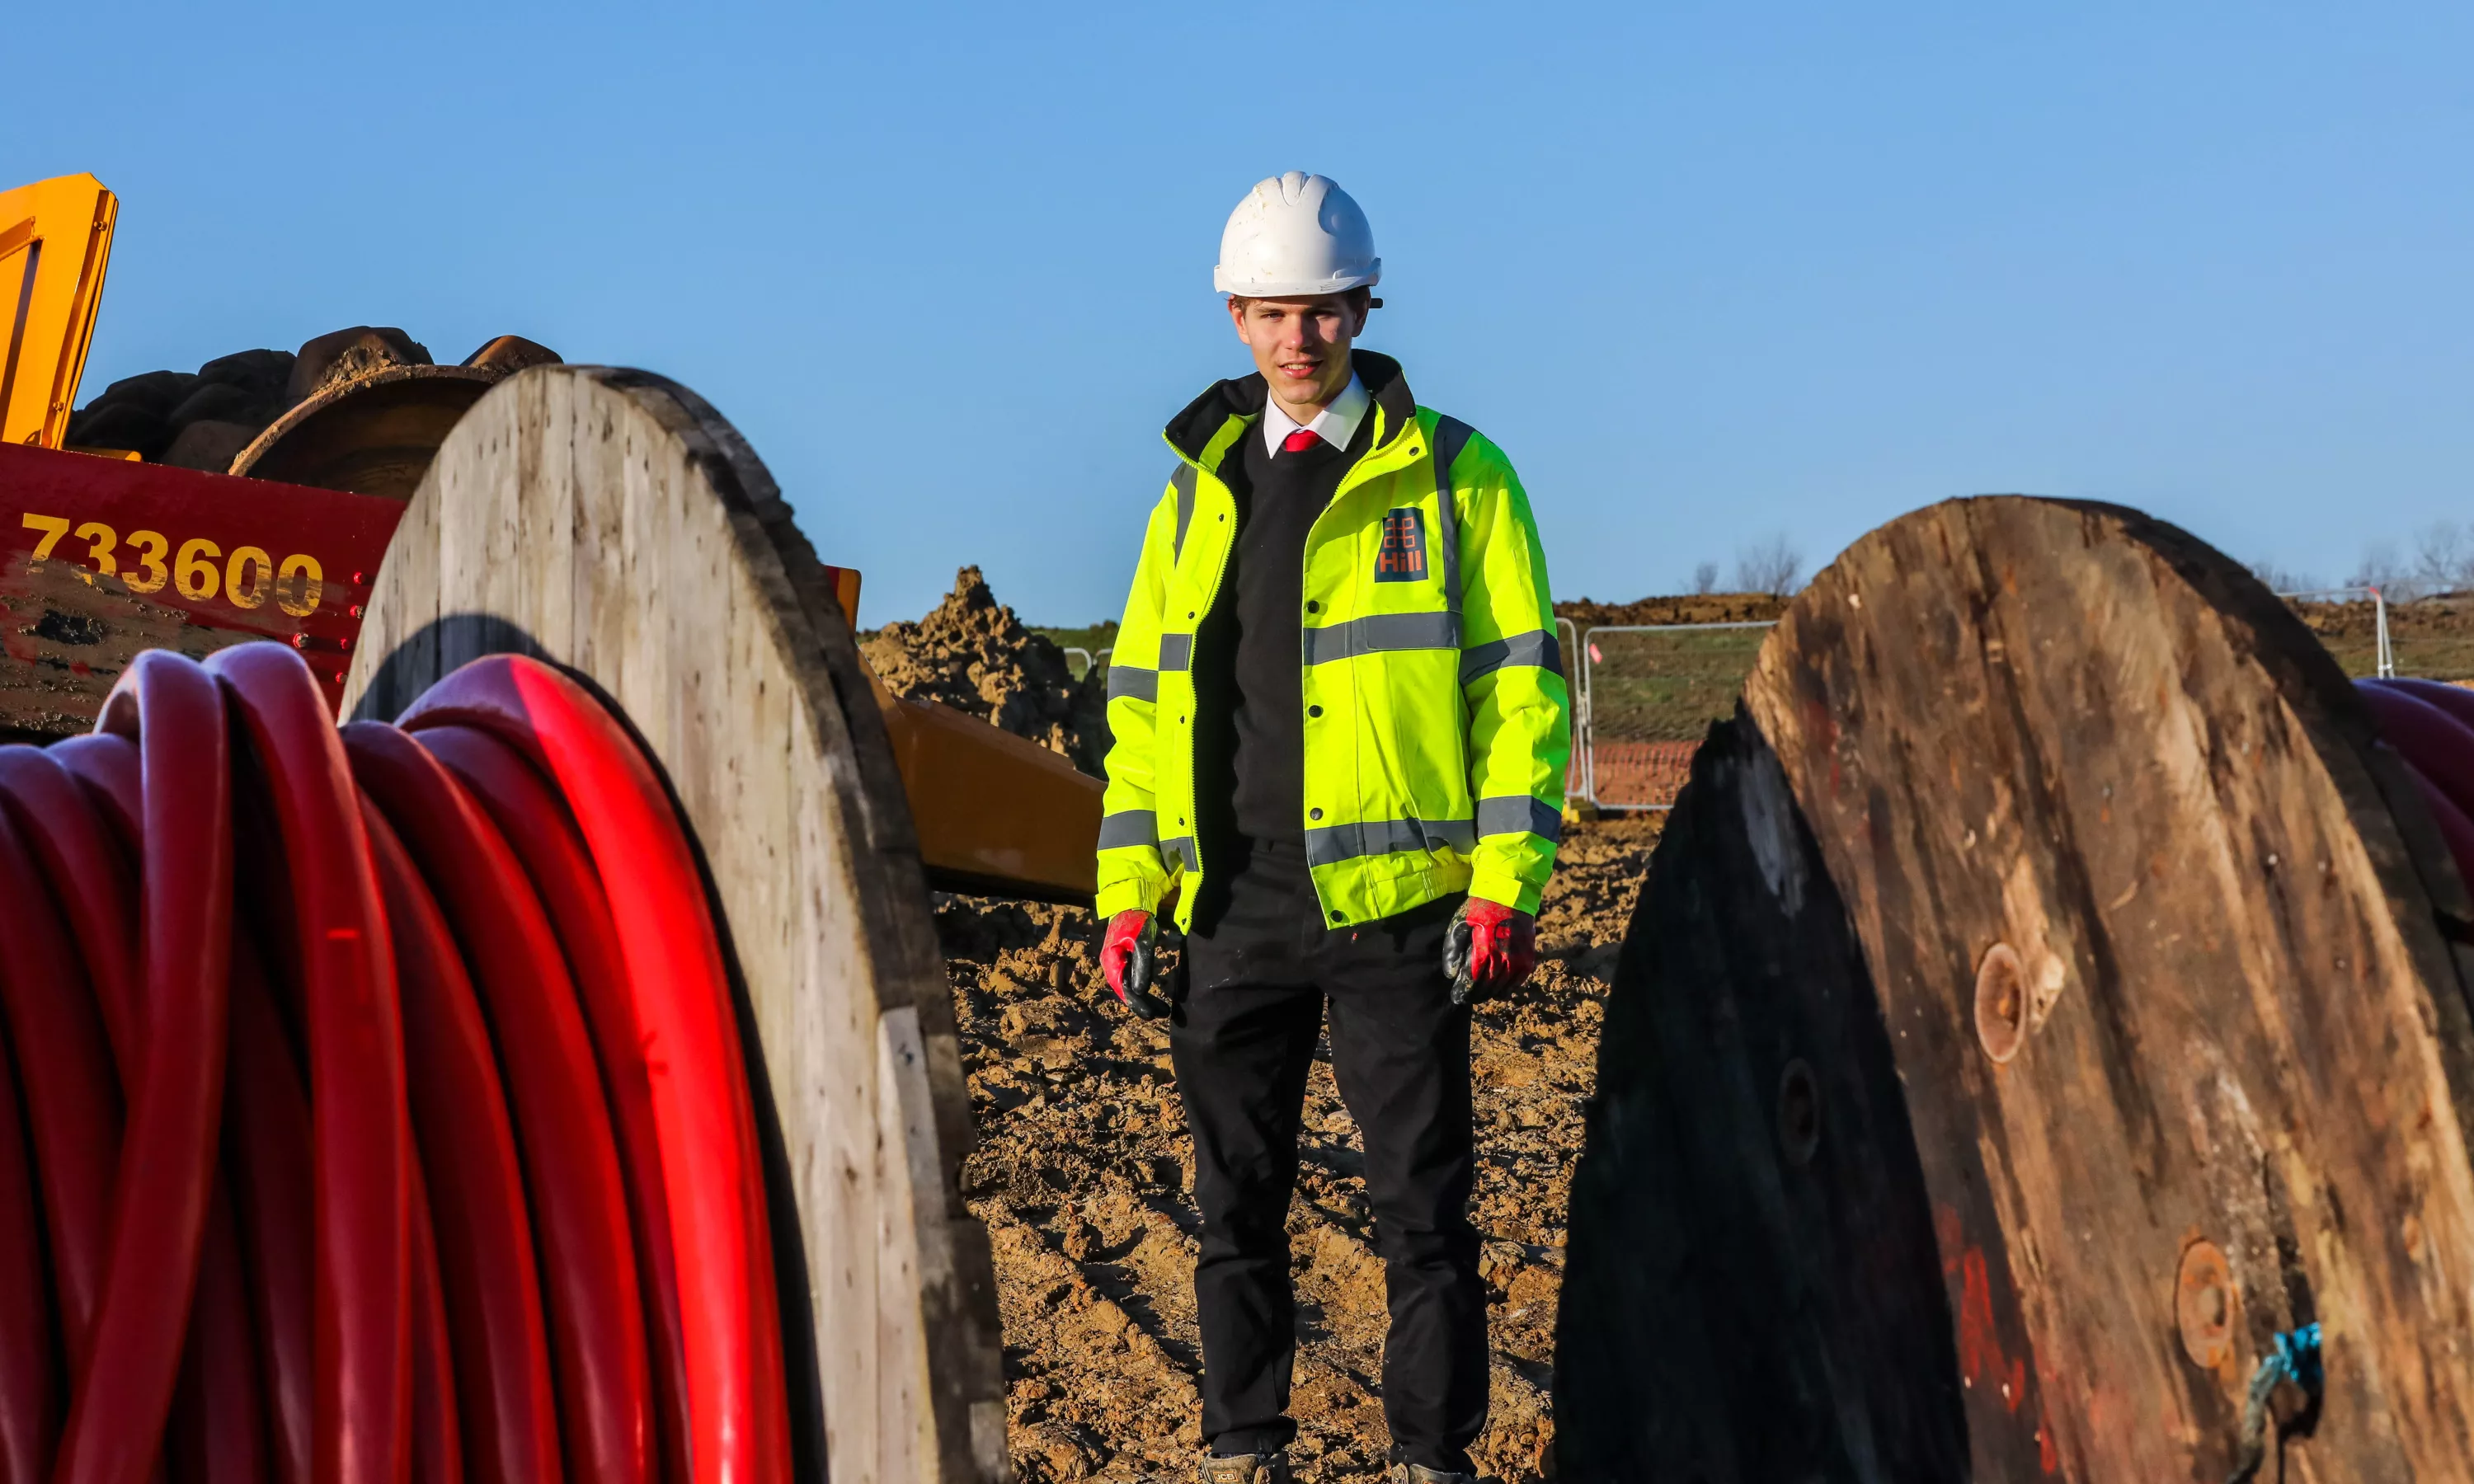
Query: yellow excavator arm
(55, 244)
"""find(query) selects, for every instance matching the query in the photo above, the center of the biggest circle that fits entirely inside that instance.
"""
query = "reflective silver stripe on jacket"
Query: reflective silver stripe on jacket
(1128, 826)
(1182, 477)
(1176, 651)
(1514, 814)
(1381, 631)
(1537, 647)
(1332, 843)
(1133, 683)
(1179, 850)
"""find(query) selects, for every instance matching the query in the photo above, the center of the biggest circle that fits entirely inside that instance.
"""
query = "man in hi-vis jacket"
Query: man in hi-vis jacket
(1340, 731)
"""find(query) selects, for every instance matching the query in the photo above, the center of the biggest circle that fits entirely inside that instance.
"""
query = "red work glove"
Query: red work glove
(1129, 956)
(1489, 951)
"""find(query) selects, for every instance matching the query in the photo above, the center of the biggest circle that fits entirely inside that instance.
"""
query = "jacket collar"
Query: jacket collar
(1211, 423)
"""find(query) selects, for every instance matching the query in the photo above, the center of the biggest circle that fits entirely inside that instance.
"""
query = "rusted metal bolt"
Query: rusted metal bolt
(2001, 1002)
(1798, 1112)
(2203, 1305)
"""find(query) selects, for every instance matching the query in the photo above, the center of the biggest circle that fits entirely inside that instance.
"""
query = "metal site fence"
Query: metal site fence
(1648, 693)
(1644, 695)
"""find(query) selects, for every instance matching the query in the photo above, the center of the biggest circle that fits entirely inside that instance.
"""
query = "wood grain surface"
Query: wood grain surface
(613, 522)
(2155, 1042)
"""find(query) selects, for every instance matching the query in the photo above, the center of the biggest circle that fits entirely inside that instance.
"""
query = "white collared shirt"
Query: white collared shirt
(1336, 424)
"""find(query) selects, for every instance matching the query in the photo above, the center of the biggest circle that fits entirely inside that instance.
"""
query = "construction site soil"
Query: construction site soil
(972, 654)
(1082, 1172)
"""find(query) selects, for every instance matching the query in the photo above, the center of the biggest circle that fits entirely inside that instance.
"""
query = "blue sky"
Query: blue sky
(1708, 272)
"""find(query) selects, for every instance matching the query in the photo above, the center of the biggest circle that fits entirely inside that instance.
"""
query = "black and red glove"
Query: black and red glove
(1129, 957)
(1490, 949)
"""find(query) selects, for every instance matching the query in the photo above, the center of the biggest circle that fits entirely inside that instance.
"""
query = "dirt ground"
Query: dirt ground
(1083, 1175)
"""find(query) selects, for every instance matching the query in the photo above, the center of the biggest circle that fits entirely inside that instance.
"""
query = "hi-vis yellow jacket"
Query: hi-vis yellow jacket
(1436, 729)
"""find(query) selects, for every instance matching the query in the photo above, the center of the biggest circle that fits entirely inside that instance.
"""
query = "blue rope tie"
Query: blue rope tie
(2294, 1357)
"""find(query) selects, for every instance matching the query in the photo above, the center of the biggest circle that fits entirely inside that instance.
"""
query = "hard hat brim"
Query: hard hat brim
(1294, 288)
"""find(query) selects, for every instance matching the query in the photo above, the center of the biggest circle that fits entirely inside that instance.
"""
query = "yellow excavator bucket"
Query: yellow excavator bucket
(55, 242)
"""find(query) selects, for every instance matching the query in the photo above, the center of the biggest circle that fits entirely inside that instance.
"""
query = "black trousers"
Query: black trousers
(1260, 969)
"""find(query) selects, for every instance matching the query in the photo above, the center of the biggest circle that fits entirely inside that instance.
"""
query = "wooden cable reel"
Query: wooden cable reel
(2048, 993)
(612, 522)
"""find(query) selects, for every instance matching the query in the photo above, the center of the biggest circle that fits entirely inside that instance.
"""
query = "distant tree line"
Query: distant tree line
(1774, 565)
(2440, 559)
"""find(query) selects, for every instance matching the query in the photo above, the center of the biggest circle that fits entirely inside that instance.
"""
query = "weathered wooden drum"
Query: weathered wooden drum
(610, 521)
(2047, 993)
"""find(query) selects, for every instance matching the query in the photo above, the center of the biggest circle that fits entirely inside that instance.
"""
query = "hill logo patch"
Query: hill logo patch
(1402, 558)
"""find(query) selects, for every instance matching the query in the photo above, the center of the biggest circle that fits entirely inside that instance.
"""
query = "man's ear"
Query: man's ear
(1237, 316)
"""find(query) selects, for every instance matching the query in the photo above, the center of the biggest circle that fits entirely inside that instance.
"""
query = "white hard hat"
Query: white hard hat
(1295, 234)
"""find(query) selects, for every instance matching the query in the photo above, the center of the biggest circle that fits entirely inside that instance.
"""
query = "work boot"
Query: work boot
(1418, 1474)
(1246, 1469)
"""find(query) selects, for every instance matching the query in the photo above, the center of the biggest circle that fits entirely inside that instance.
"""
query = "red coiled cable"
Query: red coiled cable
(266, 1136)
(571, 1162)
(79, 850)
(478, 1221)
(703, 1112)
(218, 1418)
(72, 1099)
(536, 825)
(2432, 726)
(29, 1389)
(439, 1157)
(167, 1157)
(361, 1138)
(437, 1432)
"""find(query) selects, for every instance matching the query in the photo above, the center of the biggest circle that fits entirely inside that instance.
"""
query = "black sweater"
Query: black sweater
(1251, 747)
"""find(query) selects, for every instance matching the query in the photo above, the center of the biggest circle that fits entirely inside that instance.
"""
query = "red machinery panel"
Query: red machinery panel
(101, 558)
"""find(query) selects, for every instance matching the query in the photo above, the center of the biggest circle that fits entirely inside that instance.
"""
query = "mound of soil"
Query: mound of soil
(1083, 1175)
(1708, 608)
(972, 654)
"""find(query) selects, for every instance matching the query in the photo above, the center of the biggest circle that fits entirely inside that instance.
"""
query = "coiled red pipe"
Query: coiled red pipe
(2431, 725)
(372, 1104)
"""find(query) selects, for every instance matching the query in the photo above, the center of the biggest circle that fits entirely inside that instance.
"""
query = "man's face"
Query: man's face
(1300, 344)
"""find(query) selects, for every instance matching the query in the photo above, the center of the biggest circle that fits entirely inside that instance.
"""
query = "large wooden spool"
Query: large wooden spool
(610, 521)
(2047, 991)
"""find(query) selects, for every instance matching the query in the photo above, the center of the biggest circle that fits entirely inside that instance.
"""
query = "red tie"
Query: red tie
(1301, 440)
